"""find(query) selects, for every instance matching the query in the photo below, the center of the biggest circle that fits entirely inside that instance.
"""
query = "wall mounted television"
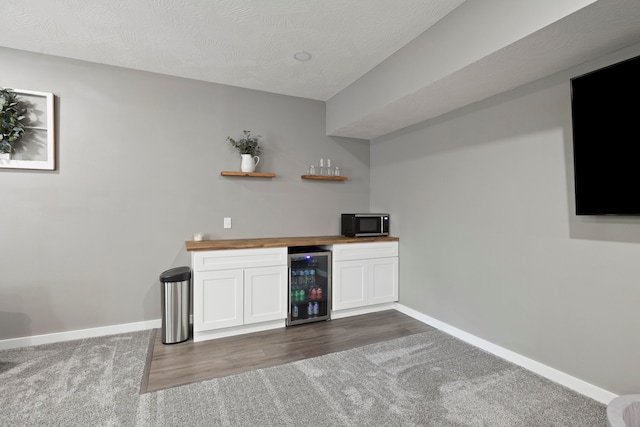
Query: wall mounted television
(605, 109)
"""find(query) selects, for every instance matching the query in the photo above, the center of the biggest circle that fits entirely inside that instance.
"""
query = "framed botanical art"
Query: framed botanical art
(36, 148)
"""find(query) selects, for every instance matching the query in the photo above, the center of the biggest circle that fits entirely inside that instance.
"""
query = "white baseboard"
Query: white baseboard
(238, 330)
(79, 334)
(339, 314)
(548, 372)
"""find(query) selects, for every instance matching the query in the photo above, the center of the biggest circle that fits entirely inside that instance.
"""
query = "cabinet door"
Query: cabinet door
(350, 284)
(217, 299)
(383, 273)
(265, 294)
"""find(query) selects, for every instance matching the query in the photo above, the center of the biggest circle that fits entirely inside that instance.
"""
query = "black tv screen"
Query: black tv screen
(605, 107)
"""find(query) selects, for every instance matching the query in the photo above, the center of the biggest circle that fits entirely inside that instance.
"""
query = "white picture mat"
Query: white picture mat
(39, 138)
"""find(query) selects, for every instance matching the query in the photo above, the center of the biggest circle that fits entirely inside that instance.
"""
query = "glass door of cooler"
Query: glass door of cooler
(309, 285)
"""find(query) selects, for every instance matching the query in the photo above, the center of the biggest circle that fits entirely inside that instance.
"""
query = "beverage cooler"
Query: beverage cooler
(309, 285)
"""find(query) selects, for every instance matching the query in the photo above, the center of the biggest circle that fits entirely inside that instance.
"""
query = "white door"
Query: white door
(265, 294)
(217, 299)
(350, 279)
(384, 280)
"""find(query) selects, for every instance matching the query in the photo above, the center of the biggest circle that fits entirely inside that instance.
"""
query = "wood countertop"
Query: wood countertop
(276, 242)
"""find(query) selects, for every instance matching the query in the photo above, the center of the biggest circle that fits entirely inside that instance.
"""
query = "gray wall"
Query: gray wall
(140, 157)
(482, 200)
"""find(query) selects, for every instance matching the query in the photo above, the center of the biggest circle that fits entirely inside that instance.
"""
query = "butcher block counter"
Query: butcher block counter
(276, 242)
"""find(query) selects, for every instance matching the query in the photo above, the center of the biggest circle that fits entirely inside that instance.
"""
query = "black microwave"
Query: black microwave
(360, 225)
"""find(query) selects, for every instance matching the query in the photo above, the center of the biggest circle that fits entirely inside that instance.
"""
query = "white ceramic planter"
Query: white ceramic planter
(249, 163)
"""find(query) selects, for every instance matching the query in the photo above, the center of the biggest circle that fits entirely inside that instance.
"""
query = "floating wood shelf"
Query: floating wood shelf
(253, 174)
(324, 177)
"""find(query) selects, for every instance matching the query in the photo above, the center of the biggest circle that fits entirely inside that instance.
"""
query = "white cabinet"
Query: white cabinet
(350, 279)
(265, 294)
(238, 291)
(218, 299)
(383, 280)
(365, 275)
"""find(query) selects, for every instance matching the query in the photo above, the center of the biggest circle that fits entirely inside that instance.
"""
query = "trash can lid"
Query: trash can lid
(177, 274)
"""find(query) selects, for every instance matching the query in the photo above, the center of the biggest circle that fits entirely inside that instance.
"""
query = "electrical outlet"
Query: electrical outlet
(227, 222)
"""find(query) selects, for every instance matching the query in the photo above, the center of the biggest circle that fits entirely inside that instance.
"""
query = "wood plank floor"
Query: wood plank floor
(188, 362)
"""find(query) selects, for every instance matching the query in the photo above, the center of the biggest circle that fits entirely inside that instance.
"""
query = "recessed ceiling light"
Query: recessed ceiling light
(302, 56)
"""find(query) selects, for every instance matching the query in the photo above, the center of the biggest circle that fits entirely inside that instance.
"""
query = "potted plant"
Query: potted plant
(249, 148)
(12, 127)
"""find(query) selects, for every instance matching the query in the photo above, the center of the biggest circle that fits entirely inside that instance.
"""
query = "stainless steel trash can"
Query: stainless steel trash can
(175, 296)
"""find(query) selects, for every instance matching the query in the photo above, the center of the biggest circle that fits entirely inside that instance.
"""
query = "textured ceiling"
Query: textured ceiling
(251, 43)
(246, 43)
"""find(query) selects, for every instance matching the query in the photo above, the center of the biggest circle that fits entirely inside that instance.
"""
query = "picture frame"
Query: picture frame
(38, 145)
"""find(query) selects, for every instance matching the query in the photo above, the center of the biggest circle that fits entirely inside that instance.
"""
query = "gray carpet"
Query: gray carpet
(89, 382)
(428, 379)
